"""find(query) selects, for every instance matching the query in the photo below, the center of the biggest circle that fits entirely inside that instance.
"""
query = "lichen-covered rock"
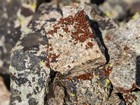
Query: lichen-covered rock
(14, 15)
(28, 78)
(4, 93)
(28, 62)
(124, 47)
(45, 15)
(29, 74)
(85, 89)
(71, 43)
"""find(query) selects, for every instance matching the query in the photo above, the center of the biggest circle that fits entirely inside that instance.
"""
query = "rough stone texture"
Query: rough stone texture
(71, 43)
(28, 67)
(4, 93)
(28, 70)
(45, 15)
(14, 14)
(84, 89)
(124, 46)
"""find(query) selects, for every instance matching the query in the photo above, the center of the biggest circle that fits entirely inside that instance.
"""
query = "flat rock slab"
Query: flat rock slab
(71, 43)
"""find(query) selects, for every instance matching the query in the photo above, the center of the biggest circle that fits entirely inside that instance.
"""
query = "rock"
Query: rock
(14, 16)
(123, 46)
(45, 15)
(28, 60)
(89, 89)
(4, 93)
(56, 95)
(85, 89)
(116, 9)
(71, 43)
(29, 74)
(28, 68)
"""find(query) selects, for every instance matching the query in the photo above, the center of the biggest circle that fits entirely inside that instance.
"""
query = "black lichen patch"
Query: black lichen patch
(15, 97)
(20, 59)
(32, 101)
(26, 11)
(21, 81)
(15, 91)
(41, 83)
(29, 95)
(43, 56)
(18, 98)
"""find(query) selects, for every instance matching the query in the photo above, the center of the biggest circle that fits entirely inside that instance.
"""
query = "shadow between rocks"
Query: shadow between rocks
(6, 78)
(137, 74)
(39, 2)
(99, 39)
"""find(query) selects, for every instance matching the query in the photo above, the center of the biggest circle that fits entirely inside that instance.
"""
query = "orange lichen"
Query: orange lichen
(120, 89)
(105, 71)
(79, 22)
(86, 76)
(80, 33)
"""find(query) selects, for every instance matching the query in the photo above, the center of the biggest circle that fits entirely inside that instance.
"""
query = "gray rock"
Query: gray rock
(124, 46)
(14, 16)
(29, 74)
(116, 9)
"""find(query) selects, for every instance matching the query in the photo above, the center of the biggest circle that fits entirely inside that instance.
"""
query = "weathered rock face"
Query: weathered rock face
(29, 74)
(88, 88)
(124, 48)
(4, 93)
(28, 67)
(28, 70)
(123, 51)
(71, 43)
(13, 14)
